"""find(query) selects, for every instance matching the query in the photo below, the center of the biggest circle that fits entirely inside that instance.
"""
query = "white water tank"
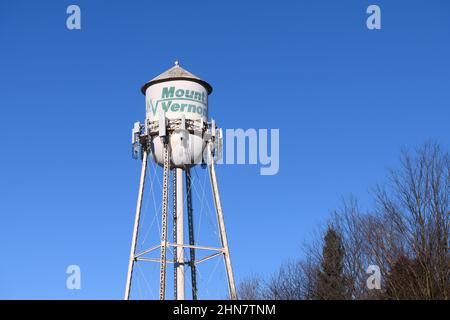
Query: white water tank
(180, 98)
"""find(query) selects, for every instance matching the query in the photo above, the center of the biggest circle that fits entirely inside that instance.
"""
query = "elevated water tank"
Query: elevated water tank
(180, 98)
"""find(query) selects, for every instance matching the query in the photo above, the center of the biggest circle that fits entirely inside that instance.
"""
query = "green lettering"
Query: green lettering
(166, 105)
(175, 107)
(167, 93)
(179, 93)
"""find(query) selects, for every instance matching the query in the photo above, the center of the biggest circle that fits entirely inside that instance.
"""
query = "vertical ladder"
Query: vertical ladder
(165, 200)
(174, 234)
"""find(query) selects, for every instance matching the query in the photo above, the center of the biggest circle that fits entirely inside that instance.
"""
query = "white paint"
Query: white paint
(178, 100)
(160, 96)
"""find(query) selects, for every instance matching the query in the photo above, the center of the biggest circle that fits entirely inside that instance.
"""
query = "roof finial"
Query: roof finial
(177, 63)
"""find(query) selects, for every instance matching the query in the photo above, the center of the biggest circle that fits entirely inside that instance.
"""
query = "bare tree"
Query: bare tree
(414, 207)
(286, 284)
(251, 288)
(351, 224)
(295, 280)
(406, 235)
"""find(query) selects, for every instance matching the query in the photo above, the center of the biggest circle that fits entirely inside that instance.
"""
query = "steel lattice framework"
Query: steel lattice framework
(177, 199)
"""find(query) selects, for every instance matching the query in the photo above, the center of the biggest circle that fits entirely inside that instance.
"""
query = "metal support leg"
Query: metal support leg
(165, 200)
(180, 235)
(191, 233)
(136, 225)
(221, 222)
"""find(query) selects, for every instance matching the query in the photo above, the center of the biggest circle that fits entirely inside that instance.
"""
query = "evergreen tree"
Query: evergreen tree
(331, 284)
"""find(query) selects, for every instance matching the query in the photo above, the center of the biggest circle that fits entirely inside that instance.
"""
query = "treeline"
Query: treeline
(405, 235)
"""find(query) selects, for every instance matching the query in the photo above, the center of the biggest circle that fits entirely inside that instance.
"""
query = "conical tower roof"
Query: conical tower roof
(176, 73)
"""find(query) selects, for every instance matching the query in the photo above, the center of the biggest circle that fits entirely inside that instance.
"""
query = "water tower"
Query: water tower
(178, 135)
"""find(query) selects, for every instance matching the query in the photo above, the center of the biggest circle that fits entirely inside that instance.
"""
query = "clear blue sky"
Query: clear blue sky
(345, 99)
